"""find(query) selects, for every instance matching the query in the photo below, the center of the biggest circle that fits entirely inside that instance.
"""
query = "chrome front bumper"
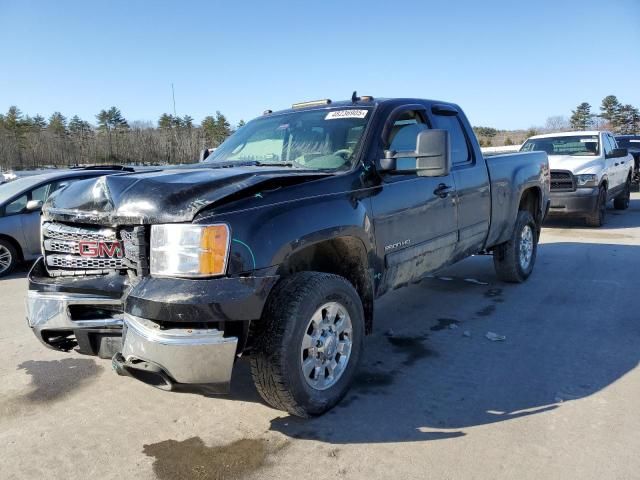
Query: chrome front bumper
(165, 358)
(51, 318)
(168, 358)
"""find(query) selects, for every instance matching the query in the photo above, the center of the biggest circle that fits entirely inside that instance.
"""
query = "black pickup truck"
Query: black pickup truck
(278, 244)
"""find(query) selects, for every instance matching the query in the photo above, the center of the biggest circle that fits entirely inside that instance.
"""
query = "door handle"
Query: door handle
(443, 190)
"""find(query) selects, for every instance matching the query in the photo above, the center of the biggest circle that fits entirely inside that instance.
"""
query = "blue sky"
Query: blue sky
(509, 64)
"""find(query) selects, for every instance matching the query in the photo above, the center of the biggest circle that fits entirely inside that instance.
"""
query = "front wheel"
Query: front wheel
(8, 258)
(514, 259)
(307, 348)
(596, 218)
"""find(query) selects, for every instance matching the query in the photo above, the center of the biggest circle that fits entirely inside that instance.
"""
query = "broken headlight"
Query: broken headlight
(185, 250)
(587, 180)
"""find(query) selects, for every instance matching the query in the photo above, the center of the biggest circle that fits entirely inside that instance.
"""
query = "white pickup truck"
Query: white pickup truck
(587, 171)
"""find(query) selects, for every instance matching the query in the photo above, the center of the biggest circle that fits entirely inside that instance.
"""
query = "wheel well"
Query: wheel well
(15, 244)
(530, 201)
(344, 256)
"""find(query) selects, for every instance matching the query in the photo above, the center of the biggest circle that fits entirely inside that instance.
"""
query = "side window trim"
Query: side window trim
(395, 114)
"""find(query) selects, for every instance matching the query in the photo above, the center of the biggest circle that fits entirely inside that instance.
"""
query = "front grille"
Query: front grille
(562, 181)
(104, 249)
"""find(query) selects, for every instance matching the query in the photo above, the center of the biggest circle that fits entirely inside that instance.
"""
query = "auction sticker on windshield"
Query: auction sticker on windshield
(351, 113)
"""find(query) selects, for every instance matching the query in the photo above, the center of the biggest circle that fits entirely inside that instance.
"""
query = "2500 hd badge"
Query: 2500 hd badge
(277, 246)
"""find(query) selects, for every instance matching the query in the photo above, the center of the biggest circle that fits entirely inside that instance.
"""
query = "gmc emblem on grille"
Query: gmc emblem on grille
(100, 249)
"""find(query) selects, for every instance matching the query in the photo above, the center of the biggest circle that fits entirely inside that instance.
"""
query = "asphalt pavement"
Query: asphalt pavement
(558, 397)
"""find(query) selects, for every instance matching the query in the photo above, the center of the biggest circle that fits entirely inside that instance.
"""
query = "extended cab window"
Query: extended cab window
(459, 145)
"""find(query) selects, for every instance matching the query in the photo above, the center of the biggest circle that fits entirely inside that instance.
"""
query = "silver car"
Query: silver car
(20, 204)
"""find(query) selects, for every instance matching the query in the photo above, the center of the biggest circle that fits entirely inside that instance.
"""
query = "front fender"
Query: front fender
(266, 236)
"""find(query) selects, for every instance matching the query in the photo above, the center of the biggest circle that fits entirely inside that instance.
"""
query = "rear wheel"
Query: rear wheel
(621, 202)
(8, 258)
(514, 260)
(597, 217)
(307, 349)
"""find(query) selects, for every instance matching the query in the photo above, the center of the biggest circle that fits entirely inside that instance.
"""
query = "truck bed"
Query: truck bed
(510, 175)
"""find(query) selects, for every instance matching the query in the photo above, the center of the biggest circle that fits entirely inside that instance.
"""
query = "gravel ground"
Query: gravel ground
(558, 398)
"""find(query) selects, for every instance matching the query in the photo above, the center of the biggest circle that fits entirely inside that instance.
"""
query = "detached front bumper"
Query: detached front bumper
(168, 358)
(581, 202)
(169, 333)
(63, 321)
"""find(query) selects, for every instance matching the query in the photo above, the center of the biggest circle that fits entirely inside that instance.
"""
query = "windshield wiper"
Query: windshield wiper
(274, 164)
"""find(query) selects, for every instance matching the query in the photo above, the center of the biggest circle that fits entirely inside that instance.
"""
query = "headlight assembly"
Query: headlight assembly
(191, 251)
(587, 180)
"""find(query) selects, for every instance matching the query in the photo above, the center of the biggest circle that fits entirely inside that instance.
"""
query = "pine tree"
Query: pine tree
(38, 123)
(187, 121)
(57, 124)
(629, 118)
(222, 129)
(77, 126)
(208, 126)
(165, 121)
(13, 120)
(581, 117)
(609, 110)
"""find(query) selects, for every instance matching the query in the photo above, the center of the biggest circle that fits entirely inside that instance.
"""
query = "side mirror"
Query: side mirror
(619, 152)
(431, 158)
(34, 205)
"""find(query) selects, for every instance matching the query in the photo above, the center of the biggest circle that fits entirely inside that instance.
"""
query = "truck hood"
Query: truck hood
(160, 196)
(576, 164)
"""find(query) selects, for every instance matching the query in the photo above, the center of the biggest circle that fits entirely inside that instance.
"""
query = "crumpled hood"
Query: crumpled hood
(576, 164)
(163, 196)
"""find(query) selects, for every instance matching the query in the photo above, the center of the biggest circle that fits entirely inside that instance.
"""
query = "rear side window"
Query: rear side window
(459, 146)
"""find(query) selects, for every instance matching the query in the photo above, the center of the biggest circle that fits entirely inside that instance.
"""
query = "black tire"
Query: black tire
(597, 217)
(7, 265)
(621, 202)
(506, 256)
(276, 357)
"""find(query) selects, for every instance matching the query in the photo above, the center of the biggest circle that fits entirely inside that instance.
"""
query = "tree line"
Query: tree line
(614, 116)
(32, 142)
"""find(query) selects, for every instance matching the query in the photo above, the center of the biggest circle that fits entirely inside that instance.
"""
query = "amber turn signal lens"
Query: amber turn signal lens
(214, 243)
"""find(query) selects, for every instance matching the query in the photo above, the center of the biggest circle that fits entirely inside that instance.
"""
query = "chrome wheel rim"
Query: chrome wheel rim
(526, 246)
(326, 346)
(5, 259)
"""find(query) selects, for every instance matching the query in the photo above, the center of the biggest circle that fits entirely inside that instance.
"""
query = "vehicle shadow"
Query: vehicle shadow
(569, 335)
(615, 219)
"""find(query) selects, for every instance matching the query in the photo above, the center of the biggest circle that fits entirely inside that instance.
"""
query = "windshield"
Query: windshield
(628, 142)
(312, 139)
(576, 145)
(9, 189)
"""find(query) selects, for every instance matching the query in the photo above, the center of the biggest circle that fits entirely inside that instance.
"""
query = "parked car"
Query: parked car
(277, 245)
(20, 204)
(588, 170)
(632, 144)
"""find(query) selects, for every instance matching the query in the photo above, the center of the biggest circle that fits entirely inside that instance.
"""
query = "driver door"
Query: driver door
(415, 217)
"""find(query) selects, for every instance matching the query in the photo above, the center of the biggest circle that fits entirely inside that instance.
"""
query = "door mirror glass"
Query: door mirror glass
(433, 152)
(34, 205)
(431, 157)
